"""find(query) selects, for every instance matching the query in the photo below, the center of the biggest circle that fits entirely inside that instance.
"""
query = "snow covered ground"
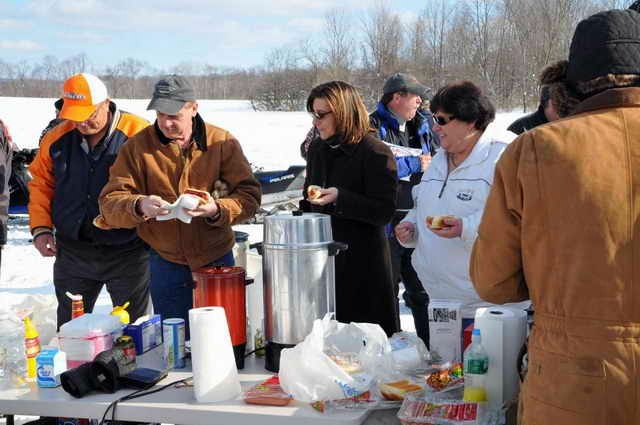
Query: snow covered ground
(269, 139)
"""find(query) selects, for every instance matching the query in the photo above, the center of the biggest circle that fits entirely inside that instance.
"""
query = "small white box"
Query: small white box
(445, 329)
(51, 362)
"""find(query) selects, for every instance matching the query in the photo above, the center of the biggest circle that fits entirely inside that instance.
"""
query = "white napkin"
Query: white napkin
(177, 209)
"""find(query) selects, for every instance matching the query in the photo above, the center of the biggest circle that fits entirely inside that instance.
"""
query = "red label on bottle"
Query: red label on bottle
(77, 308)
(32, 346)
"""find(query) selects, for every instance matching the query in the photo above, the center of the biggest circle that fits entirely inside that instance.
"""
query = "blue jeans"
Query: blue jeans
(172, 287)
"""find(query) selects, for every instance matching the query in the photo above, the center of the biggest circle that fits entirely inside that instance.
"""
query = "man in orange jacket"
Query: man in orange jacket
(68, 173)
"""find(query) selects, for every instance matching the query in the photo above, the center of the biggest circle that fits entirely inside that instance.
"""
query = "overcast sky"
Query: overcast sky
(165, 33)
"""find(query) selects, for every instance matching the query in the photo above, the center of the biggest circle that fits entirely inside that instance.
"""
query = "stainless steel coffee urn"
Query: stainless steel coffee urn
(299, 278)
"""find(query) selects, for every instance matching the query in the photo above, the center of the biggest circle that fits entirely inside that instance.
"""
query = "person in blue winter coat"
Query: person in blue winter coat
(399, 121)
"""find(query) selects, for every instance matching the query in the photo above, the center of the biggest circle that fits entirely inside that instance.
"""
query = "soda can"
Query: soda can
(173, 336)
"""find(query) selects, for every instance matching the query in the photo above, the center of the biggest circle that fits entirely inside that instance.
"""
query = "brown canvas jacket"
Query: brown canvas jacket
(147, 166)
(562, 225)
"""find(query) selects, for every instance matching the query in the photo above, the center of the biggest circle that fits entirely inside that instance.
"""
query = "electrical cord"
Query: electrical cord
(143, 392)
(136, 394)
(254, 351)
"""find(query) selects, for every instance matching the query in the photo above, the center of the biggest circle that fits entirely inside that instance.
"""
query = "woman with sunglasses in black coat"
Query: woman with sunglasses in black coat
(358, 179)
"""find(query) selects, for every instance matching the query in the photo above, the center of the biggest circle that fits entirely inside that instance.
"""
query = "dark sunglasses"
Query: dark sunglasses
(441, 121)
(320, 115)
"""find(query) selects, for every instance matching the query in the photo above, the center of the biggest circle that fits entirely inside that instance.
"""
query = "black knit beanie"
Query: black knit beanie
(605, 43)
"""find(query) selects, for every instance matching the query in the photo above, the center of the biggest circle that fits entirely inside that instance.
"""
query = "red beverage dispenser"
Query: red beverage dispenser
(224, 286)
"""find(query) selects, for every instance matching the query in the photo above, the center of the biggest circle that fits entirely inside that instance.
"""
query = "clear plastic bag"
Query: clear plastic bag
(408, 353)
(335, 361)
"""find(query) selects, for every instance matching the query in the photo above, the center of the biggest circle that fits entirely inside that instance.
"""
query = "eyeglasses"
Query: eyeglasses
(441, 120)
(319, 115)
(94, 115)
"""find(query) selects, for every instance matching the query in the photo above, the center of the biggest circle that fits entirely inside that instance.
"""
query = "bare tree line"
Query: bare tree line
(499, 44)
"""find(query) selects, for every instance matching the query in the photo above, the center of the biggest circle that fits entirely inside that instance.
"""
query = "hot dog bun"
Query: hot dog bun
(204, 196)
(398, 389)
(436, 222)
(313, 192)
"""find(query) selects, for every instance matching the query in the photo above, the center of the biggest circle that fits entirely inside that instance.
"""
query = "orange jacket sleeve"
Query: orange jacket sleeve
(42, 186)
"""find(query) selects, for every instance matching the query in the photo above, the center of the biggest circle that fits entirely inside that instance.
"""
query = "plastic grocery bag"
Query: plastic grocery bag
(308, 372)
(408, 352)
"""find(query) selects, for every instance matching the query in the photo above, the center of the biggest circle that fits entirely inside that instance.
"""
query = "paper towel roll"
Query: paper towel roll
(215, 376)
(503, 332)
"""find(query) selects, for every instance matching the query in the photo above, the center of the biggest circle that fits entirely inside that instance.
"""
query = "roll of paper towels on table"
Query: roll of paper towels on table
(215, 376)
(503, 332)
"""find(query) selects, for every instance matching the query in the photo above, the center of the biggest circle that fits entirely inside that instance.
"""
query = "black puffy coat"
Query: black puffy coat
(366, 178)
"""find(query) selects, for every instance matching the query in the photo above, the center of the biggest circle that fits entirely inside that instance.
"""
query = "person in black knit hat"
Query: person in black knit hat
(562, 226)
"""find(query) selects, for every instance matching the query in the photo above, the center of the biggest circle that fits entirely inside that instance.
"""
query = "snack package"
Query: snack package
(268, 393)
(445, 330)
(362, 401)
(447, 378)
(417, 411)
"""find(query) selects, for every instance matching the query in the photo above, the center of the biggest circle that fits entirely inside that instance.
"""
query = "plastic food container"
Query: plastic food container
(84, 337)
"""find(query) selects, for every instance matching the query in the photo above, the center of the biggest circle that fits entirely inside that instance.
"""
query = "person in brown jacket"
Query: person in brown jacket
(562, 225)
(179, 152)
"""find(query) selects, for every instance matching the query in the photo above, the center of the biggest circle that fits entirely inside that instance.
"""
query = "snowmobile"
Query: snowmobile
(19, 181)
(279, 188)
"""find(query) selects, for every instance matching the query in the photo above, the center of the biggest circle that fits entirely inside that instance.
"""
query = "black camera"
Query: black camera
(103, 374)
